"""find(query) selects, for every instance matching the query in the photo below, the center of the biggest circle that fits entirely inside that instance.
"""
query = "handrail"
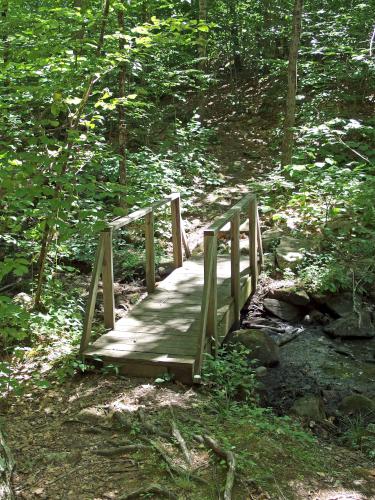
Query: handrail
(122, 221)
(104, 259)
(208, 319)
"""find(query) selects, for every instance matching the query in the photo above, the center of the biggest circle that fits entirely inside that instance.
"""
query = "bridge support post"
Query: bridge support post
(150, 252)
(235, 265)
(176, 231)
(107, 277)
(253, 242)
(210, 276)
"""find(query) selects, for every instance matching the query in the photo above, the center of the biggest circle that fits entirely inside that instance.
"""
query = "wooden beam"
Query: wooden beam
(176, 231)
(260, 243)
(235, 265)
(211, 264)
(209, 251)
(124, 221)
(150, 252)
(107, 277)
(253, 242)
(93, 290)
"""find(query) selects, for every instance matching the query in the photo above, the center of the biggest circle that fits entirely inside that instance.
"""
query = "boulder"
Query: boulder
(270, 238)
(294, 296)
(283, 310)
(93, 415)
(311, 407)
(337, 305)
(357, 404)
(290, 252)
(352, 325)
(262, 347)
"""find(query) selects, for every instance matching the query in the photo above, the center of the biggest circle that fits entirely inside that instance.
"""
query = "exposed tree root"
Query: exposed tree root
(181, 441)
(120, 450)
(228, 456)
(153, 488)
(6, 470)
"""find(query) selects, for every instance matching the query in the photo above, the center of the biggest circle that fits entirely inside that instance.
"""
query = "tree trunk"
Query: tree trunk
(6, 470)
(234, 35)
(290, 114)
(202, 39)
(121, 111)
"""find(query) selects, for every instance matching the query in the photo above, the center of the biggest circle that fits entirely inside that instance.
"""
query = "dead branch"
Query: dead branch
(229, 458)
(153, 488)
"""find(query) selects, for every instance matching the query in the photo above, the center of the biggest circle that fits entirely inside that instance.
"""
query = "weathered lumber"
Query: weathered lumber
(6, 470)
(107, 279)
(235, 266)
(150, 252)
(93, 290)
(176, 231)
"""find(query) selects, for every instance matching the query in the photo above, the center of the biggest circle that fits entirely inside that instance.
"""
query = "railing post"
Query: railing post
(107, 277)
(176, 230)
(210, 273)
(150, 252)
(260, 243)
(93, 290)
(253, 242)
(235, 264)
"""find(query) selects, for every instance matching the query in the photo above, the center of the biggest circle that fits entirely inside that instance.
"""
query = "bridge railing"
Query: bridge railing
(103, 263)
(208, 321)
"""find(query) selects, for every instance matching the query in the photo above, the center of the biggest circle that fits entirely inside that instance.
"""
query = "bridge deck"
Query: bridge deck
(161, 333)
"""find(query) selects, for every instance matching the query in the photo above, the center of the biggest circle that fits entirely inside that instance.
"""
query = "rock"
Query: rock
(291, 295)
(282, 310)
(315, 316)
(290, 252)
(262, 347)
(357, 404)
(24, 300)
(261, 371)
(310, 406)
(337, 305)
(93, 415)
(352, 326)
(270, 238)
(269, 261)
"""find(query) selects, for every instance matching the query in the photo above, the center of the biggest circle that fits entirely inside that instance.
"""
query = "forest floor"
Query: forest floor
(65, 438)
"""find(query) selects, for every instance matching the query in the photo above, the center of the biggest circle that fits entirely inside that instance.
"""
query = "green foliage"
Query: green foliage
(230, 376)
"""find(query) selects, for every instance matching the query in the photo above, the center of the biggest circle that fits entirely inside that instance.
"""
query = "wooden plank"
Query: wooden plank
(176, 232)
(174, 325)
(107, 278)
(260, 242)
(150, 252)
(210, 243)
(185, 241)
(127, 219)
(235, 266)
(150, 347)
(93, 290)
(253, 239)
(139, 356)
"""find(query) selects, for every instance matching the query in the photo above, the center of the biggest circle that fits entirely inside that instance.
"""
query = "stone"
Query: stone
(311, 407)
(290, 252)
(352, 326)
(261, 346)
(357, 404)
(282, 310)
(337, 305)
(295, 296)
(270, 238)
(93, 415)
(261, 371)
(269, 261)
(24, 300)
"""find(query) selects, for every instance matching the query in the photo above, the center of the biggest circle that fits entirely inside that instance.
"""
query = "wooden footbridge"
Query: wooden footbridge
(187, 314)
